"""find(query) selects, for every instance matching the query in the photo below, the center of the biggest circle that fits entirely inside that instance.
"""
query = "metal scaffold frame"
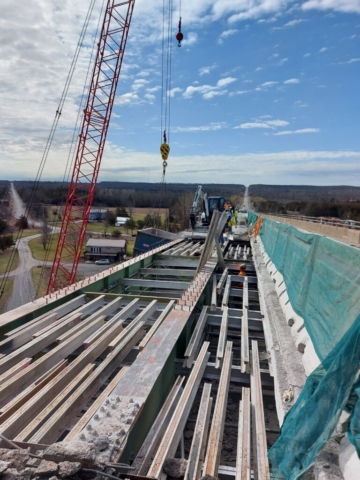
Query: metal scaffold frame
(105, 76)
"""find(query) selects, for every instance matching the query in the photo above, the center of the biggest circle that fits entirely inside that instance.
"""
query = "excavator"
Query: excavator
(206, 208)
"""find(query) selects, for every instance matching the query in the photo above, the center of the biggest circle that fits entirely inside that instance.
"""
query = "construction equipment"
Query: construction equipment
(209, 204)
(97, 112)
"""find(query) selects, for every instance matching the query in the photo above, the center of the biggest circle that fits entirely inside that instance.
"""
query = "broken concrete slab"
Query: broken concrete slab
(16, 458)
(175, 467)
(76, 451)
(47, 469)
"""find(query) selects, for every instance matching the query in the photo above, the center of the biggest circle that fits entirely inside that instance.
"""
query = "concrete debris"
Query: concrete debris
(4, 466)
(76, 451)
(16, 458)
(46, 469)
(175, 467)
(68, 469)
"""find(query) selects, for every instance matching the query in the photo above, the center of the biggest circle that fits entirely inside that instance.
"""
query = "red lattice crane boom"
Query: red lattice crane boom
(95, 124)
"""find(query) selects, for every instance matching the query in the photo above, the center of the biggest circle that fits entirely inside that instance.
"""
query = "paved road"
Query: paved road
(247, 199)
(23, 290)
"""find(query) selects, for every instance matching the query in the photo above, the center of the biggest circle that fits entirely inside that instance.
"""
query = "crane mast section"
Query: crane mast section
(95, 124)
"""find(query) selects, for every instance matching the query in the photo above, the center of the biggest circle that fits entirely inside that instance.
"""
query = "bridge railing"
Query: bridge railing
(336, 222)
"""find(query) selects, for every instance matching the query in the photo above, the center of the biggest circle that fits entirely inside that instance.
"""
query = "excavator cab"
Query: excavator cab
(216, 203)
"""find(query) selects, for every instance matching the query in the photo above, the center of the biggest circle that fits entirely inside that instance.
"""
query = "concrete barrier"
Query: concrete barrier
(345, 235)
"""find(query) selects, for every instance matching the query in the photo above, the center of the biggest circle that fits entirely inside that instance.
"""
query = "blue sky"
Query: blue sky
(263, 91)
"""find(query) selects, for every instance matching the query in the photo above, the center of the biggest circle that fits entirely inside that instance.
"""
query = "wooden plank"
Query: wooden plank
(38, 344)
(25, 362)
(245, 354)
(226, 295)
(122, 315)
(243, 453)
(146, 453)
(90, 412)
(49, 410)
(157, 324)
(16, 340)
(14, 405)
(57, 424)
(58, 312)
(222, 281)
(222, 338)
(40, 366)
(213, 295)
(137, 323)
(38, 401)
(259, 431)
(200, 434)
(195, 338)
(104, 311)
(218, 422)
(177, 424)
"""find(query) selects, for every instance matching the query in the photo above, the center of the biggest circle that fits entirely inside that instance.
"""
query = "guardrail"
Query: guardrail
(335, 222)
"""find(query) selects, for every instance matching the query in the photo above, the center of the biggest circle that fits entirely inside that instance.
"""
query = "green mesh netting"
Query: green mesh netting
(322, 277)
(311, 421)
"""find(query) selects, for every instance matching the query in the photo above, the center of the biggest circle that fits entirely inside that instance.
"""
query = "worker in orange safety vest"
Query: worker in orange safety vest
(242, 273)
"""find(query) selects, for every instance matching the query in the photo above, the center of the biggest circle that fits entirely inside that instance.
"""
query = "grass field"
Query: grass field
(6, 295)
(38, 251)
(28, 232)
(4, 258)
(98, 227)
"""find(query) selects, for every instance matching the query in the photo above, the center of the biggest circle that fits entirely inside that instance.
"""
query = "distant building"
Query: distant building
(120, 221)
(102, 248)
(97, 214)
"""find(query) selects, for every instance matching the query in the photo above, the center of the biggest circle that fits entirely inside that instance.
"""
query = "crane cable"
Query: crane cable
(71, 155)
(47, 145)
(166, 84)
(165, 110)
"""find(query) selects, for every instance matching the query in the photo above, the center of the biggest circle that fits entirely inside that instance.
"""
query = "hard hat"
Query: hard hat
(243, 265)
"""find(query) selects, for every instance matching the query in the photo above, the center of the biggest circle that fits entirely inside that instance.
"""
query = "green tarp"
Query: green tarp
(322, 277)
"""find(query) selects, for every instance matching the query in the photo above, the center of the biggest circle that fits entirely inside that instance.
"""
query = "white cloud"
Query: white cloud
(274, 55)
(272, 124)
(189, 39)
(282, 62)
(291, 81)
(205, 128)
(206, 70)
(139, 83)
(294, 22)
(173, 91)
(149, 97)
(348, 6)
(269, 84)
(300, 104)
(214, 93)
(238, 92)
(352, 60)
(226, 81)
(307, 55)
(303, 130)
(258, 69)
(277, 123)
(323, 49)
(209, 91)
(253, 125)
(153, 89)
(127, 98)
(225, 34)
(267, 20)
